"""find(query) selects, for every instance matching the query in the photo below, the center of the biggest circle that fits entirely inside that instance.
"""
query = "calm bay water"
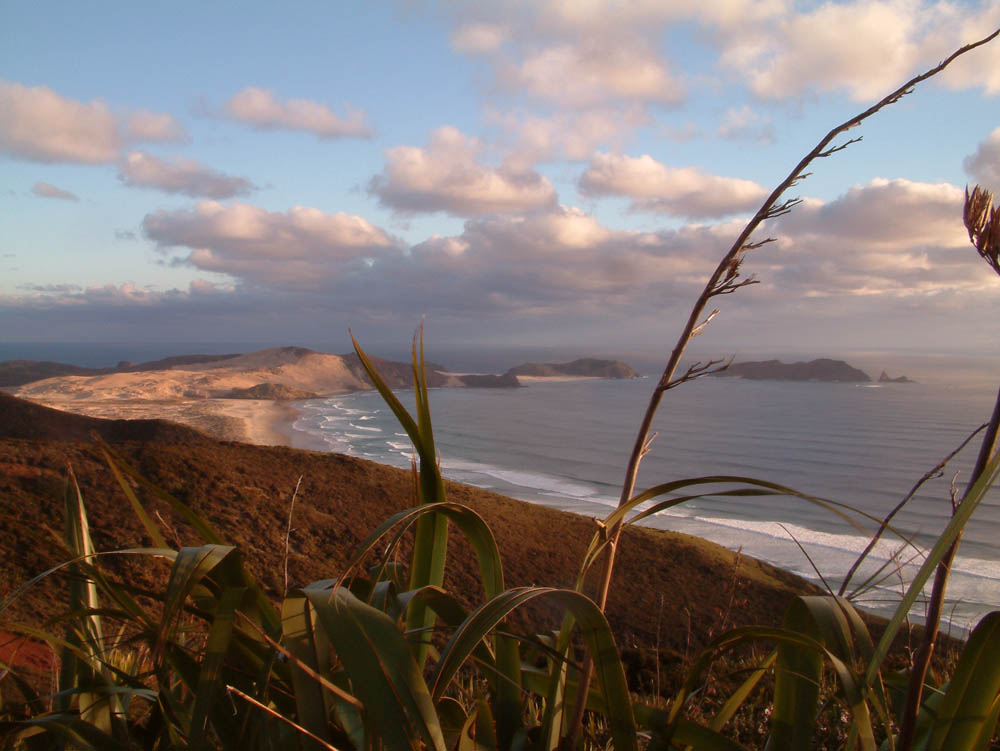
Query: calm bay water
(565, 444)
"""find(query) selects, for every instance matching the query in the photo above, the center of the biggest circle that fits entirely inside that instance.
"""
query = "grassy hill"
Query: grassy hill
(670, 589)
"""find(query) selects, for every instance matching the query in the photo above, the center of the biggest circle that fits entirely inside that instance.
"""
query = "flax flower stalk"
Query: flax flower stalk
(724, 280)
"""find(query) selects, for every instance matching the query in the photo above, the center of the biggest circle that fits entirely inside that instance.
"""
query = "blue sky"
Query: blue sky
(522, 173)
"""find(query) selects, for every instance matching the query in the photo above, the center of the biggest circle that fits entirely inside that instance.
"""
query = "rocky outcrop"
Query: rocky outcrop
(884, 378)
(823, 369)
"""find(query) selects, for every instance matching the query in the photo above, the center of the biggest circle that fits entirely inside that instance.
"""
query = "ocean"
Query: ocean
(565, 444)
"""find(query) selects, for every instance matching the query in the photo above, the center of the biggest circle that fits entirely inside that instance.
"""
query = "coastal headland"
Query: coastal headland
(246, 397)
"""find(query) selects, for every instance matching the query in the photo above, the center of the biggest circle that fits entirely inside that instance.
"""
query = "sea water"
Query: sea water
(566, 444)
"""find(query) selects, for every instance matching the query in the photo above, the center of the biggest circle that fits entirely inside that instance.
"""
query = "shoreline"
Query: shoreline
(272, 423)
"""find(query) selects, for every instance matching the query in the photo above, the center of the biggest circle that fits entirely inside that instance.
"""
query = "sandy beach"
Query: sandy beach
(202, 396)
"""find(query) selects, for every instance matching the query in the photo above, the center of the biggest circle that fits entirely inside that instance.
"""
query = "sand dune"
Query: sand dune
(197, 394)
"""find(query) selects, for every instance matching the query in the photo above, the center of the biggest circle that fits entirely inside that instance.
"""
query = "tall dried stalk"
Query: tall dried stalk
(725, 280)
(982, 220)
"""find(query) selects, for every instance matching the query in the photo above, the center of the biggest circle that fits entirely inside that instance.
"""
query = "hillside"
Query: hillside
(687, 586)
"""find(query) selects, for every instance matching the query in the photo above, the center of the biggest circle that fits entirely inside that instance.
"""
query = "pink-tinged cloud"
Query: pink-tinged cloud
(180, 175)
(574, 136)
(865, 48)
(153, 126)
(45, 190)
(893, 238)
(681, 191)
(579, 76)
(302, 247)
(446, 176)
(884, 215)
(479, 38)
(984, 164)
(260, 108)
(39, 125)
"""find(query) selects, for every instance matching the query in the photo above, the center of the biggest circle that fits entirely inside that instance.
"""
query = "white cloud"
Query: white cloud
(303, 247)
(682, 191)
(40, 125)
(180, 175)
(45, 190)
(571, 136)
(153, 126)
(893, 238)
(863, 47)
(579, 76)
(260, 108)
(984, 164)
(446, 176)
(884, 214)
(880, 249)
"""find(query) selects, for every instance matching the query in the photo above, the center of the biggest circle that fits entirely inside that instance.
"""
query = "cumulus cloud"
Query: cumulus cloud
(39, 125)
(889, 238)
(180, 175)
(682, 191)
(561, 261)
(863, 47)
(580, 76)
(446, 176)
(478, 38)
(45, 190)
(884, 214)
(576, 55)
(153, 126)
(260, 108)
(984, 164)
(881, 249)
(576, 136)
(302, 247)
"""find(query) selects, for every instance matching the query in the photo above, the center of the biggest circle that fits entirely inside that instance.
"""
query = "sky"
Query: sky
(524, 174)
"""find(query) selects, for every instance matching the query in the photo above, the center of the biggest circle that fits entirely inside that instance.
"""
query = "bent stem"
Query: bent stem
(725, 280)
(921, 663)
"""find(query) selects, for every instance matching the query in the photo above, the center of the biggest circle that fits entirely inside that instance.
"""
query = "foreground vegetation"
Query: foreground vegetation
(384, 656)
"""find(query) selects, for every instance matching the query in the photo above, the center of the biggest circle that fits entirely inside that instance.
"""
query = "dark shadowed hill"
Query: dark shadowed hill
(24, 420)
(823, 369)
(586, 367)
(668, 584)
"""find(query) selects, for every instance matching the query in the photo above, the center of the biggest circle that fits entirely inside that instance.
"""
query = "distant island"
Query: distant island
(823, 369)
(587, 367)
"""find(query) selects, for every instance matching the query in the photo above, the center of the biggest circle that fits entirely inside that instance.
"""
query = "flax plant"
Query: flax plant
(727, 279)
(382, 656)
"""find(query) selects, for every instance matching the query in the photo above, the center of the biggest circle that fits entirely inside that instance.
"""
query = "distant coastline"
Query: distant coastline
(247, 397)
